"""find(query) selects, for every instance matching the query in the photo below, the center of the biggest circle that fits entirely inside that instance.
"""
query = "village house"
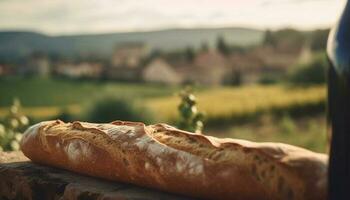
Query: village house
(127, 61)
(305, 55)
(159, 71)
(79, 70)
(5, 70)
(2, 70)
(275, 61)
(243, 69)
(129, 55)
(208, 68)
(37, 64)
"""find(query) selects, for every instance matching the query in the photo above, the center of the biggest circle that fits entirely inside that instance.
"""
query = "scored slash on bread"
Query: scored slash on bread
(163, 157)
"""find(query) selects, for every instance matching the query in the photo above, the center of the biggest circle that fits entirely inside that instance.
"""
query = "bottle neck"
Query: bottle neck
(338, 47)
(344, 22)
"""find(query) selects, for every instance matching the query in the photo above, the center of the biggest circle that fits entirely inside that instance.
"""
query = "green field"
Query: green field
(45, 98)
(36, 92)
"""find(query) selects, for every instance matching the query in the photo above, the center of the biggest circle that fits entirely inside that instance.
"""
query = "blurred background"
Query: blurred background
(251, 69)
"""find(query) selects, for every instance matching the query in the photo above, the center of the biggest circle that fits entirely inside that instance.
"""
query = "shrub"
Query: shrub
(65, 115)
(190, 118)
(111, 108)
(268, 79)
(10, 131)
(310, 73)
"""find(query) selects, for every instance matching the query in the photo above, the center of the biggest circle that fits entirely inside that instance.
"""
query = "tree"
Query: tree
(155, 53)
(189, 54)
(222, 46)
(318, 39)
(269, 38)
(204, 47)
(285, 40)
(310, 73)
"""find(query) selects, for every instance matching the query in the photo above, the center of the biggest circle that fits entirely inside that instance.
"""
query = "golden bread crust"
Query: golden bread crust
(163, 157)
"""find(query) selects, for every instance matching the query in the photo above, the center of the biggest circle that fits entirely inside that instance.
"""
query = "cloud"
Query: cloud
(274, 2)
(76, 16)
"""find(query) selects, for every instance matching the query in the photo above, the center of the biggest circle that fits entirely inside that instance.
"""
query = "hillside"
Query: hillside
(17, 44)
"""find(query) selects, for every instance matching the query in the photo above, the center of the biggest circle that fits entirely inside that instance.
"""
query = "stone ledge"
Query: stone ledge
(22, 179)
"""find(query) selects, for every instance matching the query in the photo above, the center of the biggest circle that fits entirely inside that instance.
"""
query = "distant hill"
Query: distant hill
(17, 44)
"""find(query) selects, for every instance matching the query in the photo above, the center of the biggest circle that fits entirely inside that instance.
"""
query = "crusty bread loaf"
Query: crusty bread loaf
(160, 156)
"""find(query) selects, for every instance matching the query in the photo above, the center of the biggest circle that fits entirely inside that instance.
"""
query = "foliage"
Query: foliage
(15, 121)
(110, 108)
(236, 78)
(66, 115)
(291, 40)
(318, 39)
(268, 79)
(222, 46)
(190, 54)
(285, 40)
(204, 47)
(155, 53)
(190, 118)
(269, 38)
(310, 73)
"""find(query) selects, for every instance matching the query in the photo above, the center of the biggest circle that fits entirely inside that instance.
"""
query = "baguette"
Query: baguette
(163, 157)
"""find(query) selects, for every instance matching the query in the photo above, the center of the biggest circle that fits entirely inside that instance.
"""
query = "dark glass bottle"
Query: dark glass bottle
(338, 51)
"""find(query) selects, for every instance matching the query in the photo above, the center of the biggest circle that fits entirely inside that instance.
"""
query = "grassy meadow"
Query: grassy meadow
(45, 98)
(278, 113)
(38, 92)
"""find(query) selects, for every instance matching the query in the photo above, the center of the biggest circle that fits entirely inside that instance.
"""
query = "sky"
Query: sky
(58, 17)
